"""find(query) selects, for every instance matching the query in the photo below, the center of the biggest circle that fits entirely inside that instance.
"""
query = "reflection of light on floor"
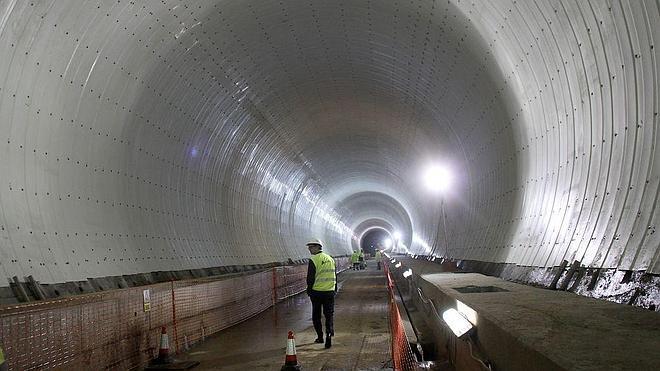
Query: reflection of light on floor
(196, 353)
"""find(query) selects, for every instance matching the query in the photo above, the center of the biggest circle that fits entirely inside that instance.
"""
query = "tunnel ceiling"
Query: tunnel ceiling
(144, 136)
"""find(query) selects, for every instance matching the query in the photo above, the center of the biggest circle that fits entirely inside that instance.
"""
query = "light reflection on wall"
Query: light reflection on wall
(421, 242)
(310, 197)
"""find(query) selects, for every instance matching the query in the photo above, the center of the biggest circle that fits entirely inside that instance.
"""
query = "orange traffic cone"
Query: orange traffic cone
(291, 361)
(164, 360)
(164, 350)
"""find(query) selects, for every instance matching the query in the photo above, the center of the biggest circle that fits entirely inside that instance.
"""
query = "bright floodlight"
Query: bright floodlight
(396, 235)
(437, 178)
(398, 265)
(467, 312)
(393, 260)
(456, 322)
(407, 273)
(387, 243)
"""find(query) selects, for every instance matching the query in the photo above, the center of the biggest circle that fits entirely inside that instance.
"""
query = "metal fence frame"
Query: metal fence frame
(113, 330)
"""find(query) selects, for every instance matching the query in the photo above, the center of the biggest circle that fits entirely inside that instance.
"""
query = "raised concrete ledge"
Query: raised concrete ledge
(638, 288)
(9, 296)
(527, 328)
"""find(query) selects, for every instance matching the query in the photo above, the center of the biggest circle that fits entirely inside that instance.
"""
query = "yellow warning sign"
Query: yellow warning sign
(146, 300)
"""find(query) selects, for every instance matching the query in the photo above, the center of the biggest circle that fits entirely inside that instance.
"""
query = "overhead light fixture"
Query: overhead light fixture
(396, 235)
(458, 324)
(398, 265)
(437, 178)
(393, 260)
(407, 273)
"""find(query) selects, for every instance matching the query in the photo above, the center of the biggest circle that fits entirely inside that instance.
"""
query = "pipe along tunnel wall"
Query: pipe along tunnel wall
(183, 135)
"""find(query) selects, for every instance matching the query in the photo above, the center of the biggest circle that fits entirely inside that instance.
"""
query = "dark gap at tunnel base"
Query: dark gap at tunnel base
(636, 288)
(30, 290)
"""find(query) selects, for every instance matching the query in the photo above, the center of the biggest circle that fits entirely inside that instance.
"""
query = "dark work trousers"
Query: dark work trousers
(323, 300)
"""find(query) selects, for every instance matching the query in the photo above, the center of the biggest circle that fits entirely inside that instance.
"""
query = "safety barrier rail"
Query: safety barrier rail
(120, 329)
(402, 355)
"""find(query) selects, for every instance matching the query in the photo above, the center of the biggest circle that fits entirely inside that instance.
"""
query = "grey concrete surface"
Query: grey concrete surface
(143, 136)
(525, 328)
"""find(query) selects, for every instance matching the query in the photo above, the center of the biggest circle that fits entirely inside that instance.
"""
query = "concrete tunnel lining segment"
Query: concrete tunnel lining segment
(146, 137)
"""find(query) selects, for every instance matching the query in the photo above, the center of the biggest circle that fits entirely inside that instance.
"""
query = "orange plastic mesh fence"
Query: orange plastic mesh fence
(113, 330)
(402, 355)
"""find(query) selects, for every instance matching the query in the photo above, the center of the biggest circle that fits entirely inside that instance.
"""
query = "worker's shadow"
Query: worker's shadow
(312, 347)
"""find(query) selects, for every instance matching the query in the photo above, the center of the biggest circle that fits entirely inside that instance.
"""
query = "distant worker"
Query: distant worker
(378, 257)
(355, 260)
(361, 260)
(321, 288)
(3, 364)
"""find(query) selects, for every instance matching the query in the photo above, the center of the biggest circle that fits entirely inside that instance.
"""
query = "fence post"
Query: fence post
(176, 337)
(274, 285)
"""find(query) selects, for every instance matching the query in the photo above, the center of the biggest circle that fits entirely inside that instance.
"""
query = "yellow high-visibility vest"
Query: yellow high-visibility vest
(378, 255)
(325, 279)
(354, 257)
(2, 357)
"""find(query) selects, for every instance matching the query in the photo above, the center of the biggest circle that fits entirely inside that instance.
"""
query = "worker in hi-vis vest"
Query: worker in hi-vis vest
(321, 288)
(355, 260)
(378, 257)
(3, 364)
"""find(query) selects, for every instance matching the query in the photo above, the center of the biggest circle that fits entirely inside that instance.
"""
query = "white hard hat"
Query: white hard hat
(314, 241)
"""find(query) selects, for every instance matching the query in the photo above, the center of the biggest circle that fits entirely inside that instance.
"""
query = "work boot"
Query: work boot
(319, 340)
(328, 342)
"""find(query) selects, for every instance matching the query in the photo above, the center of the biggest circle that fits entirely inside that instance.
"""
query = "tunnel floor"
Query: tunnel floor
(361, 342)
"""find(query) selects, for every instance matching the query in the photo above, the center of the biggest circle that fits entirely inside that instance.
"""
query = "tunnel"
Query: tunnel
(147, 142)
(375, 239)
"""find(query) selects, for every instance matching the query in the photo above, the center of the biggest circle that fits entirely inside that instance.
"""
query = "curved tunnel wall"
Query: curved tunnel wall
(143, 136)
(585, 75)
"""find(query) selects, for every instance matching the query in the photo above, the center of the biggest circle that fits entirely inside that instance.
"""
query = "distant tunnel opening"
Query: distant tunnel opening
(375, 239)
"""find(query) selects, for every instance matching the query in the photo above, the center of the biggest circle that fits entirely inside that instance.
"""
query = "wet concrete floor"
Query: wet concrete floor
(361, 342)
